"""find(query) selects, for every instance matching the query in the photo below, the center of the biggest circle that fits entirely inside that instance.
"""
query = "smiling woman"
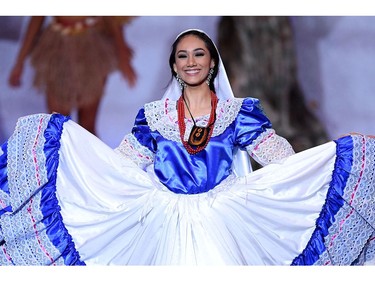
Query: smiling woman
(68, 199)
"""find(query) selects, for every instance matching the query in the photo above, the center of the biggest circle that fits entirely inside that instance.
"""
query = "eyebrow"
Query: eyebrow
(197, 49)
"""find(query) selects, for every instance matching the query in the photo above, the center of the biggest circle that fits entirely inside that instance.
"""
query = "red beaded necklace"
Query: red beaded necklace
(199, 136)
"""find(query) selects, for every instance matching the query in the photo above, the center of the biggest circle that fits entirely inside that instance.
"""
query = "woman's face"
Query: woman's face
(193, 60)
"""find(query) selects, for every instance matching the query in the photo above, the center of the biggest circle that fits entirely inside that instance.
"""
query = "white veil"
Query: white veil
(241, 159)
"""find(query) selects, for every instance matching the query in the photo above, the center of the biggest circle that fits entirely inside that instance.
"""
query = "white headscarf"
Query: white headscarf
(221, 82)
(241, 159)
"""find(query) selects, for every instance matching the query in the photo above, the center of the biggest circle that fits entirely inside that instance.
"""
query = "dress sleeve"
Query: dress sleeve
(254, 133)
(270, 148)
(251, 122)
(139, 145)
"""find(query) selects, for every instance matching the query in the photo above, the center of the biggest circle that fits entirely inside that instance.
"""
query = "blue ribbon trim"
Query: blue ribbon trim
(334, 201)
(50, 208)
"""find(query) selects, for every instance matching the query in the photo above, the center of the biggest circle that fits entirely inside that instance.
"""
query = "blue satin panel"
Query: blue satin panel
(334, 202)
(50, 208)
(3, 169)
(250, 122)
(203, 171)
(197, 173)
(142, 131)
(3, 177)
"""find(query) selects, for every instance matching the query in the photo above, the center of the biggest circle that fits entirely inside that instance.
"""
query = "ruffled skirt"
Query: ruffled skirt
(66, 198)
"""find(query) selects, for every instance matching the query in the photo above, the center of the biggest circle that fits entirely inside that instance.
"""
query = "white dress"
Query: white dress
(67, 198)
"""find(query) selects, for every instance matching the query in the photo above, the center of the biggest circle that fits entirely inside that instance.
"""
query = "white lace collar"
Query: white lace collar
(162, 116)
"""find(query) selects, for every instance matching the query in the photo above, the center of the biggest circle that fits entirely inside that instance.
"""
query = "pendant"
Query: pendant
(199, 135)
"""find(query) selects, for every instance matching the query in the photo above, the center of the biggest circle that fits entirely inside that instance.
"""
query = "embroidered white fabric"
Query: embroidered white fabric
(270, 148)
(27, 173)
(167, 125)
(131, 149)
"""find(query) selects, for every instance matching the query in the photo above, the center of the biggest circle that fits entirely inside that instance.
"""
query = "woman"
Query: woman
(72, 57)
(166, 196)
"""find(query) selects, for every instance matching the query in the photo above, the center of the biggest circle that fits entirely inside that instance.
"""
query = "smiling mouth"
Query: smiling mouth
(192, 71)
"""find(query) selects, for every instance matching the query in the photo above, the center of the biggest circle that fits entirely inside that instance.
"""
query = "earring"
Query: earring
(181, 82)
(208, 80)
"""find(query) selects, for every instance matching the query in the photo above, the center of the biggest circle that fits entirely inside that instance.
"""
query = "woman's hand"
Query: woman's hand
(15, 75)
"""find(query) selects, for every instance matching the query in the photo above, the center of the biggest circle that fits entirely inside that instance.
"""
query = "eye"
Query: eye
(199, 54)
(181, 56)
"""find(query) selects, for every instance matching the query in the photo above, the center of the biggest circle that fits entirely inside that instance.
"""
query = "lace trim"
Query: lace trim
(162, 117)
(367, 256)
(27, 239)
(26, 159)
(269, 148)
(131, 149)
(344, 233)
(351, 227)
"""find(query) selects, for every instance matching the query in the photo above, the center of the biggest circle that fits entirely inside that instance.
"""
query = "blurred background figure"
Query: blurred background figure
(259, 55)
(72, 57)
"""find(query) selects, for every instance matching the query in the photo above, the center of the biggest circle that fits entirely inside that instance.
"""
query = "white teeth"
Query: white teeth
(192, 71)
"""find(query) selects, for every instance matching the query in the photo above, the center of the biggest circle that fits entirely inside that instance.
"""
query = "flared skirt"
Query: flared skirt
(66, 198)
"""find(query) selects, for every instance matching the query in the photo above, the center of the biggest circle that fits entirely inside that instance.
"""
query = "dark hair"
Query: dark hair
(209, 45)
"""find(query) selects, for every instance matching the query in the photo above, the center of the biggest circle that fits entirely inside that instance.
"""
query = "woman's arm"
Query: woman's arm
(124, 51)
(33, 28)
